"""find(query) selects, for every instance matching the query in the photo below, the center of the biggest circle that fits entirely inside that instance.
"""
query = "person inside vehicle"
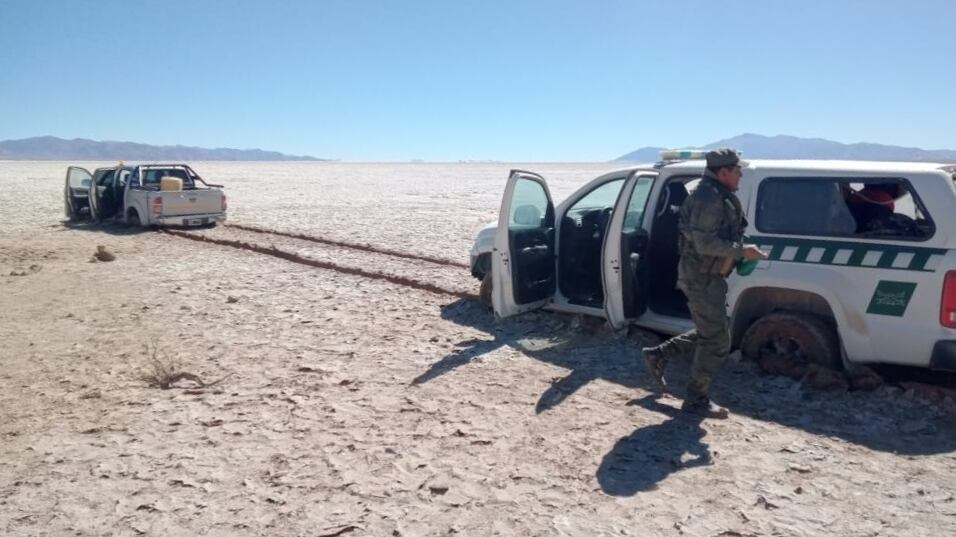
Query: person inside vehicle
(873, 205)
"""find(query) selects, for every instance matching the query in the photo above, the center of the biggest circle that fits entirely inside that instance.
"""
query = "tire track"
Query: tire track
(302, 260)
(352, 245)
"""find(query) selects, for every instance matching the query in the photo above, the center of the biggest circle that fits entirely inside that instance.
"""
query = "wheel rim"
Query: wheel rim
(788, 348)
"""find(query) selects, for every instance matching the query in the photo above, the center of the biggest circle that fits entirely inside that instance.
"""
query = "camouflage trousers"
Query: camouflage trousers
(709, 341)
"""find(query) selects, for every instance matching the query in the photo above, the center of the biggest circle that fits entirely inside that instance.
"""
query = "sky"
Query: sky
(448, 80)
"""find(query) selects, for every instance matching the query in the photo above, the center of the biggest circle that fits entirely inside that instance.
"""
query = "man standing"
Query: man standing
(711, 229)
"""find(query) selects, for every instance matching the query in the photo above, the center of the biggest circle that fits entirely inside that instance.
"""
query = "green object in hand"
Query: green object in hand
(746, 266)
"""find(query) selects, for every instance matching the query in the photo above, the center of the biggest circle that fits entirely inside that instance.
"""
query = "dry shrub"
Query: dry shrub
(162, 371)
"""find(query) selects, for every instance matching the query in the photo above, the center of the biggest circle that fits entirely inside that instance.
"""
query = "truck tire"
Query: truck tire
(789, 342)
(484, 292)
(132, 218)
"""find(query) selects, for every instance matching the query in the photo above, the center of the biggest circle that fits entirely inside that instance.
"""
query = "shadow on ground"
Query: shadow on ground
(639, 461)
(110, 228)
(877, 420)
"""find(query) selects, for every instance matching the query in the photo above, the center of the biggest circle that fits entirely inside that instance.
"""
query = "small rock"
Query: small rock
(438, 487)
(102, 254)
(231, 299)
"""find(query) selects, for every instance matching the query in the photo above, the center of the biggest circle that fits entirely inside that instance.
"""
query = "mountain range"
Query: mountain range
(750, 145)
(792, 147)
(53, 148)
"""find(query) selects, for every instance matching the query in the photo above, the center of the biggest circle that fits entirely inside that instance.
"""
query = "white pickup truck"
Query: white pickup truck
(862, 265)
(144, 195)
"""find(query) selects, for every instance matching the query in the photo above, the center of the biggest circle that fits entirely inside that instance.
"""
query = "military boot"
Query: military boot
(705, 408)
(656, 363)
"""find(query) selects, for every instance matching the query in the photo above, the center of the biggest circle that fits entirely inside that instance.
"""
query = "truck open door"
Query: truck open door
(79, 183)
(624, 252)
(523, 260)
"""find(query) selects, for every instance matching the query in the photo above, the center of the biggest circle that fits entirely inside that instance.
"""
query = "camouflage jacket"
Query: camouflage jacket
(711, 229)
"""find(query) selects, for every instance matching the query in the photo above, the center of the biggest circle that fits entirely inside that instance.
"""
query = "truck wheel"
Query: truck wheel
(133, 219)
(788, 342)
(484, 292)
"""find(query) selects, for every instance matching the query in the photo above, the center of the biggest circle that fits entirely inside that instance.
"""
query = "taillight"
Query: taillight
(223, 203)
(947, 309)
(156, 207)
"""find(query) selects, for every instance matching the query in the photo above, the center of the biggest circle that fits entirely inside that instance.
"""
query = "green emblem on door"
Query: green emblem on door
(891, 298)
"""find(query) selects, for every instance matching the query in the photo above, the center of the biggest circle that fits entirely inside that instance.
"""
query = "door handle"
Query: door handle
(634, 258)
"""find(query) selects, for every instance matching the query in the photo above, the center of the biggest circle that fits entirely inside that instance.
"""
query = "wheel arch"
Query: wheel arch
(133, 211)
(482, 265)
(755, 302)
(140, 209)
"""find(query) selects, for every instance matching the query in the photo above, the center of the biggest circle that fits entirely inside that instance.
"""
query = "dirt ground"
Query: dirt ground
(347, 391)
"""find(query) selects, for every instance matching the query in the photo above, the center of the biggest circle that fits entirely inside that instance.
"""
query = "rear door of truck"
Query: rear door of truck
(190, 202)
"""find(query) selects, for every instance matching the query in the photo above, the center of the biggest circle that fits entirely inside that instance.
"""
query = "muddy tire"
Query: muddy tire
(484, 292)
(788, 343)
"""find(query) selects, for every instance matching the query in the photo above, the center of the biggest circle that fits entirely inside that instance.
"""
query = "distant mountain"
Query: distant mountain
(53, 148)
(792, 147)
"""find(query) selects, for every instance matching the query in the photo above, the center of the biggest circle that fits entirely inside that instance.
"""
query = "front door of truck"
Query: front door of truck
(523, 262)
(79, 183)
(624, 253)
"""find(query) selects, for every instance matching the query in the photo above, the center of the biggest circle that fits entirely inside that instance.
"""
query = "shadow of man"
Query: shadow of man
(874, 421)
(642, 459)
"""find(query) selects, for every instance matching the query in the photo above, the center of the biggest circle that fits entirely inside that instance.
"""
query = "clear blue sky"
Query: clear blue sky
(467, 79)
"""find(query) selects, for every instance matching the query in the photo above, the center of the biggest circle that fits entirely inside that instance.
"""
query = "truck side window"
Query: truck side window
(878, 207)
(105, 177)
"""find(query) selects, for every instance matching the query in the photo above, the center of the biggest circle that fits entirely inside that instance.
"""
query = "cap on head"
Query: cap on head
(724, 156)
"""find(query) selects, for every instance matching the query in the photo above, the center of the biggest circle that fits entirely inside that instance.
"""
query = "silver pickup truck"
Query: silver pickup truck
(144, 195)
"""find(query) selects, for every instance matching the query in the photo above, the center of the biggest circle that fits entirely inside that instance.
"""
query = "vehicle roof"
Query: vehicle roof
(828, 165)
(154, 164)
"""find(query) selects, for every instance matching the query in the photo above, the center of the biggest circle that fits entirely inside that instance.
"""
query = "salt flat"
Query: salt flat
(355, 401)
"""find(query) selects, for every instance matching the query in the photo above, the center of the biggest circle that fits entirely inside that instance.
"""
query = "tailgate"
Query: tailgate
(188, 202)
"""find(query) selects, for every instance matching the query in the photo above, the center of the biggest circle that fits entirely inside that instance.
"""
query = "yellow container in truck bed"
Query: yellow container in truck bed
(170, 184)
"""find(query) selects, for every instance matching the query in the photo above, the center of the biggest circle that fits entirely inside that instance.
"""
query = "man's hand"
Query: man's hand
(750, 251)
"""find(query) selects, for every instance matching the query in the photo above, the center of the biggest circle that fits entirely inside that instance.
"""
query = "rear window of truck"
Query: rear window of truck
(152, 176)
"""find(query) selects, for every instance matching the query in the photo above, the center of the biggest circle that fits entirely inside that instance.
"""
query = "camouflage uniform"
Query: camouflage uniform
(711, 230)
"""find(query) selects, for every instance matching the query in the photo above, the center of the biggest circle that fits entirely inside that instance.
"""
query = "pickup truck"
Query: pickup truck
(852, 277)
(143, 195)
